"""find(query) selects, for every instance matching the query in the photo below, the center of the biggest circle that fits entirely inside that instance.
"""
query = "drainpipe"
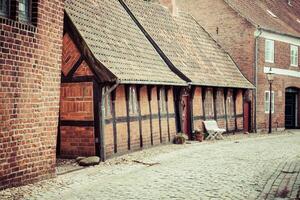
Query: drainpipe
(102, 135)
(257, 35)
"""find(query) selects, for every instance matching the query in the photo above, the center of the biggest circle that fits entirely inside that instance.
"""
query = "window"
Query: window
(208, 104)
(4, 7)
(163, 106)
(107, 102)
(294, 56)
(267, 101)
(269, 51)
(24, 10)
(132, 101)
(220, 103)
(230, 104)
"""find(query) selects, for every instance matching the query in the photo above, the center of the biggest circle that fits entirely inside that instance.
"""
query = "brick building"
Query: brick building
(154, 76)
(30, 62)
(259, 35)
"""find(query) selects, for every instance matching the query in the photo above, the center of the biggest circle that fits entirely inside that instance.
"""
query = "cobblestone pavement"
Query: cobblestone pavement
(236, 168)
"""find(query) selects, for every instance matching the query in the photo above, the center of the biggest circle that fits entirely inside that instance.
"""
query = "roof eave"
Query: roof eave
(278, 32)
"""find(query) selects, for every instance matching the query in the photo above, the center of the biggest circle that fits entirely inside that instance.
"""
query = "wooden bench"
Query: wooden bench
(214, 132)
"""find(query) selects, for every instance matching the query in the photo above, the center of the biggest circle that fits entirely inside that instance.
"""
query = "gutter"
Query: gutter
(257, 35)
(102, 135)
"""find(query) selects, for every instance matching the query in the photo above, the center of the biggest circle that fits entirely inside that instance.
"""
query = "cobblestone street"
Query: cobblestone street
(237, 168)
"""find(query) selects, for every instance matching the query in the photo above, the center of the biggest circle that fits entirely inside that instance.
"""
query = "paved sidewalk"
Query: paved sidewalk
(248, 168)
(284, 182)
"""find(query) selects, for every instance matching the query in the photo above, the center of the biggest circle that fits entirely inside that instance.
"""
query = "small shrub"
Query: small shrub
(179, 139)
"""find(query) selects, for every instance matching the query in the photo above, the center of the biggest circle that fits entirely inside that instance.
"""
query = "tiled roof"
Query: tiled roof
(267, 14)
(116, 42)
(188, 46)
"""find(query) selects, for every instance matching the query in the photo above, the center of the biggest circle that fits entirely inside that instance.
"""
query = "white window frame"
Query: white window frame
(267, 102)
(294, 55)
(163, 102)
(107, 103)
(133, 107)
(269, 51)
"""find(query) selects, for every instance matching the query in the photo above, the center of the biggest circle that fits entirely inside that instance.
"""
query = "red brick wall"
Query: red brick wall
(281, 82)
(121, 123)
(30, 62)
(77, 141)
(76, 104)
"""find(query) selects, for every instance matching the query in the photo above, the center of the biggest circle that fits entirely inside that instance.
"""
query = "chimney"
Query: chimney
(171, 5)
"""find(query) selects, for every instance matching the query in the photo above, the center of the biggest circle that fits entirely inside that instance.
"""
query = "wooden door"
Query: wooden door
(247, 116)
(290, 110)
(186, 121)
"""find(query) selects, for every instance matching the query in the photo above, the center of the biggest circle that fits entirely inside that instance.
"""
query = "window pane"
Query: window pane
(269, 51)
(107, 102)
(3, 7)
(267, 101)
(294, 55)
(132, 101)
(24, 10)
(163, 101)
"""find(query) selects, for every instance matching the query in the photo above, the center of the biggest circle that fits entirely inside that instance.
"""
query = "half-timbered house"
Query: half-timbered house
(133, 75)
(216, 84)
(108, 61)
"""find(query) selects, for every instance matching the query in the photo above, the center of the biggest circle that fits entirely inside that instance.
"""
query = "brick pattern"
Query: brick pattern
(135, 138)
(83, 70)
(222, 24)
(282, 60)
(77, 141)
(235, 35)
(70, 54)
(76, 101)
(30, 62)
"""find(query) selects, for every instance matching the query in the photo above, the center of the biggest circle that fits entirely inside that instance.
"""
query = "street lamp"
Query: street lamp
(270, 77)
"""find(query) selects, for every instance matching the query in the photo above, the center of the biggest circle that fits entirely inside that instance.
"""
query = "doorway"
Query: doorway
(247, 116)
(186, 119)
(291, 108)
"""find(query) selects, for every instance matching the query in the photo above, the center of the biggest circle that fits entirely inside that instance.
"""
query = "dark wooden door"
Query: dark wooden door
(290, 110)
(247, 116)
(186, 121)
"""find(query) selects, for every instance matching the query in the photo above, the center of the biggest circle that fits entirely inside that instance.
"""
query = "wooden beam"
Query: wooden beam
(159, 113)
(74, 68)
(234, 108)
(168, 115)
(203, 94)
(215, 90)
(113, 103)
(97, 120)
(140, 115)
(225, 101)
(149, 92)
(127, 87)
(77, 123)
(101, 72)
